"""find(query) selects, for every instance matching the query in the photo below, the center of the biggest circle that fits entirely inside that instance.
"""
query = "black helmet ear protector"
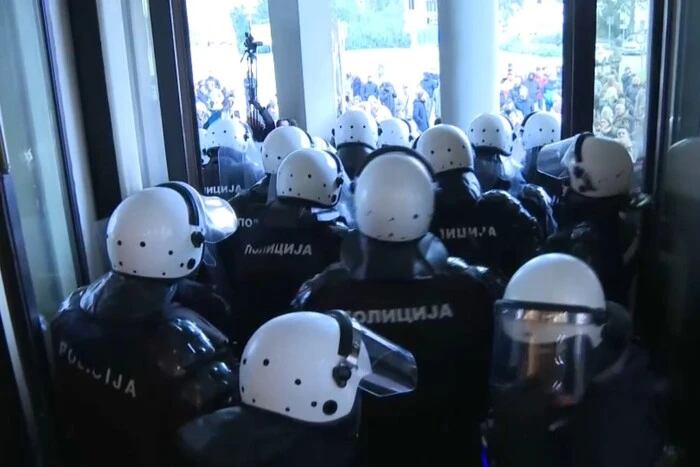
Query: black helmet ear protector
(349, 346)
(197, 237)
(522, 125)
(408, 124)
(393, 149)
(578, 171)
(339, 179)
(311, 139)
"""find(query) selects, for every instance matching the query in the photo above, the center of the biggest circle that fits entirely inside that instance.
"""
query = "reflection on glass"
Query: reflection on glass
(32, 143)
(530, 60)
(388, 58)
(620, 96)
(217, 37)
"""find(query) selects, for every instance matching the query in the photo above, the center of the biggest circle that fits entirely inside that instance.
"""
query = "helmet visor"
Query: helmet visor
(552, 159)
(544, 348)
(393, 368)
(218, 219)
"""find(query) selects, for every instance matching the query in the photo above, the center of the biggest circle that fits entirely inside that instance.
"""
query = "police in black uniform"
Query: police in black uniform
(277, 146)
(399, 280)
(227, 167)
(296, 236)
(538, 130)
(568, 387)
(356, 135)
(131, 363)
(395, 132)
(301, 378)
(492, 229)
(493, 137)
(593, 211)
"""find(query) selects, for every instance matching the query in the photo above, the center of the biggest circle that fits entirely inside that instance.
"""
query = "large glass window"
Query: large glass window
(388, 58)
(31, 145)
(219, 61)
(620, 95)
(530, 59)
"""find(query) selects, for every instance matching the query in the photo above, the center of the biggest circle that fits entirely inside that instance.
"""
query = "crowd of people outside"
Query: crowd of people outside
(620, 100)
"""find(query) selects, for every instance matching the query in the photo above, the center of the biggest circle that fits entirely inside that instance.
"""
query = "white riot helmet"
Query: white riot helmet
(549, 326)
(540, 129)
(229, 133)
(394, 195)
(446, 147)
(395, 132)
(356, 126)
(312, 175)
(160, 232)
(598, 167)
(309, 366)
(492, 131)
(280, 143)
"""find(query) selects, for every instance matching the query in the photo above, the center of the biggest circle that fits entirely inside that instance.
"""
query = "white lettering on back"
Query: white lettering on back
(105, 376)
(405, 315)
(459, 233)
(222, 190)
(280, 249)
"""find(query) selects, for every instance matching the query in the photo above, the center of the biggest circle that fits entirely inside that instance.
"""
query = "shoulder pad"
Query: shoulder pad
(212, 386)
(305, 295)
(185, 340)
(492, 281)
(534, 191)
(72, 302)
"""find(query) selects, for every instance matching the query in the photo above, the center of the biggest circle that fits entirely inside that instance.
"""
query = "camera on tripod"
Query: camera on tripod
(250, 44)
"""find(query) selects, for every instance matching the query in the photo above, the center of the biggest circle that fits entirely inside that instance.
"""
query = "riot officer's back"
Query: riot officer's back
(293, 237)
(593, 223)
(132, 364)
(415, 294)
(492, 229)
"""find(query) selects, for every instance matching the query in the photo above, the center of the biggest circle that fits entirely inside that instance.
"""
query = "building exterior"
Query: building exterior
(420, 21)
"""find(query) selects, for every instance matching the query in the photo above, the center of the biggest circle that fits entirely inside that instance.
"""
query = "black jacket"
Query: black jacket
(132, 366)
(248, 201)
(248, 437)
(598, 234)
(492, 229)
(267, 262)
(441, 310)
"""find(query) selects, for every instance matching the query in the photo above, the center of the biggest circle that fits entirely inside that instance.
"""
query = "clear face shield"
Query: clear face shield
(388, 369)
(552, 352)
(553, 159)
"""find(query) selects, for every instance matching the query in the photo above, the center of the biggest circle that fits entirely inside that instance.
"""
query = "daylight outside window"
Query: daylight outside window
(620, 94)
(388, 57)
(217, 31)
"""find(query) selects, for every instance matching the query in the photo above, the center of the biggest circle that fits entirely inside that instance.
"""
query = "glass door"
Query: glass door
(38, 262)
(32, 154)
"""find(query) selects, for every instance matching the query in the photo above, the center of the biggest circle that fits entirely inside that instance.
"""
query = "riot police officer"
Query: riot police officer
(568, 387)
(493, 137)
(538, 129)
(395, 132)
(131, 363)
(229, 168)
(301, 380)
(281, 142)
(593, 211)
(294, 237)
(492, 229)
(356, 135)
(399, 279)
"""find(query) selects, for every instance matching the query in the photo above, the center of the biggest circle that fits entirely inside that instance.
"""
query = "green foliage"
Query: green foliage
(536, 49)
(378, 25)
